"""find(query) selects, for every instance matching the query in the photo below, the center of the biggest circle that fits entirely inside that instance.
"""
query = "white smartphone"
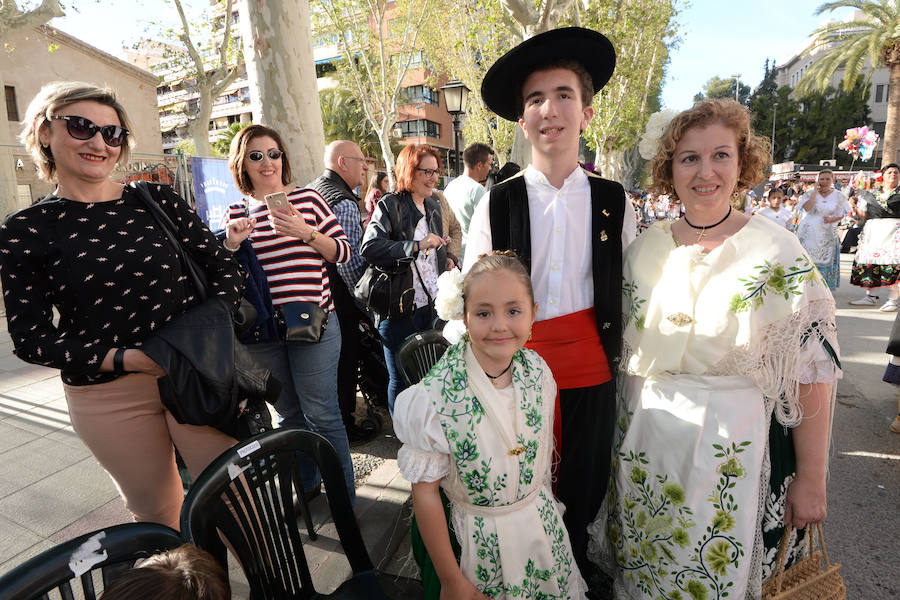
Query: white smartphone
(278, 200)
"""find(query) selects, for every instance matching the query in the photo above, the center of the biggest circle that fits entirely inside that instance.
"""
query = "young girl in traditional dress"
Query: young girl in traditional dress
(480, 427)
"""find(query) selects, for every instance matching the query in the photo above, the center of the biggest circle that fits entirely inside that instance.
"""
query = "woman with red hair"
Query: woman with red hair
(406, 232)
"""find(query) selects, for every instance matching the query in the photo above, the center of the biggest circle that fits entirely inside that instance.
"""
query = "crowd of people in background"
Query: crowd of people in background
(296, 252)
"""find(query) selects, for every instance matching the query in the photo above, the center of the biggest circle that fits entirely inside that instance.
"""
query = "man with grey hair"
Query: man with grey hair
(345, 169)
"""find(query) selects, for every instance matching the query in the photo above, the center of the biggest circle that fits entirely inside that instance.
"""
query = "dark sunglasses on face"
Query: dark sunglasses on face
(84, 129)
(257, 156)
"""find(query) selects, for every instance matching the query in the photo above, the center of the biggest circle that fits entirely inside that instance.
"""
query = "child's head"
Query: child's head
(185, 573)
(775, 198)
(498, 303)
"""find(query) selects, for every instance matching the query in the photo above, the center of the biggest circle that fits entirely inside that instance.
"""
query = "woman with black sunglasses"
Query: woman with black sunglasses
(291, 246)
(92, 251)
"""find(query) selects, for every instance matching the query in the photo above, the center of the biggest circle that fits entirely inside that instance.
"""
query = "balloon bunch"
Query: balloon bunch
(860, 142)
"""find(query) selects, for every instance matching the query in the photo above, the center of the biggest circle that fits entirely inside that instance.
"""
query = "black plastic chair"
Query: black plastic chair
(51, 570)
(419, 352)
(246, 498)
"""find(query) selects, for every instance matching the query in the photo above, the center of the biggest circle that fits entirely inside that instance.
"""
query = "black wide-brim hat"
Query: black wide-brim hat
(504, 79)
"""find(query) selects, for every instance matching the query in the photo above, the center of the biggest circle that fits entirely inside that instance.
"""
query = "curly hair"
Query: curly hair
(54, 96)
(409, 160)
(498, 260)
(753, 150)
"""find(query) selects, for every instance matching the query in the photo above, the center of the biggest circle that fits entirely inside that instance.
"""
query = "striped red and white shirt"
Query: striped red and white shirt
(295, 270)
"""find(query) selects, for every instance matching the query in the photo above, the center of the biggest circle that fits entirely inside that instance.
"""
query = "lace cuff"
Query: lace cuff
(419, 466)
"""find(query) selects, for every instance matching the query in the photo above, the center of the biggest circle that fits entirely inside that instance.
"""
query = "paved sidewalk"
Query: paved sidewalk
(52, 489)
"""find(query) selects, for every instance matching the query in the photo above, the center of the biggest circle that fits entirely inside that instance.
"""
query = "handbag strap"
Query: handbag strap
(782, 550)
(168, 228)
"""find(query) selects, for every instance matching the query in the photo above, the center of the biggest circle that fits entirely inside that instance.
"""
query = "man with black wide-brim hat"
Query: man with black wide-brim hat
(569, 226)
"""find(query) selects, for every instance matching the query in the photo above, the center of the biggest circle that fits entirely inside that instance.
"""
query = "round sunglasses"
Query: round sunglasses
(81, 128)
(257, 156)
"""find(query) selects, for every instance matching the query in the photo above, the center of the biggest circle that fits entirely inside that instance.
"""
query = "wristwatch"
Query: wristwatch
(313, 235)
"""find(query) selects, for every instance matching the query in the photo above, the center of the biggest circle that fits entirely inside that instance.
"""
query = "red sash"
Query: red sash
(572, 348)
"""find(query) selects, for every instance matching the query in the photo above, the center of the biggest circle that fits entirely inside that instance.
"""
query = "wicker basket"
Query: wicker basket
(805, 579)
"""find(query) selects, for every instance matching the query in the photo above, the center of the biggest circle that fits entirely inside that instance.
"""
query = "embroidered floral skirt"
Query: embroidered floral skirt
(697, 465)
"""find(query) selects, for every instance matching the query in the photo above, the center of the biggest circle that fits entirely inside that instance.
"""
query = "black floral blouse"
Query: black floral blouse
(109, 271)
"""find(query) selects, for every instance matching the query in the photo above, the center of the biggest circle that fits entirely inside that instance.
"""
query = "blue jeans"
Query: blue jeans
(308, 374)
(393, 333)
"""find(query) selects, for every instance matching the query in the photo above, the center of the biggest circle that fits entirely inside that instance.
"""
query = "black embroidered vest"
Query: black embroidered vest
(511, 230)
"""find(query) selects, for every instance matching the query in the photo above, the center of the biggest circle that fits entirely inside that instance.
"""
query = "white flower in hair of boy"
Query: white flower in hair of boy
(449, 300)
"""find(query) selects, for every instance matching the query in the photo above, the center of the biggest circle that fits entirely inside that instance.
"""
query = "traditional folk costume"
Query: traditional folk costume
(715, 347)
(571, 240)
(576, 271)
(820, 239)
(877, 260)
(491, 450)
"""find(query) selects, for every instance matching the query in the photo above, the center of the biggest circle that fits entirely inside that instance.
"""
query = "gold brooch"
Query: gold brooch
(517, 450)
(680, 319)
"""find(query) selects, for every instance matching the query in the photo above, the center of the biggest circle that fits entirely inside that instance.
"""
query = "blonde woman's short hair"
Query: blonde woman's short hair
(54, 96)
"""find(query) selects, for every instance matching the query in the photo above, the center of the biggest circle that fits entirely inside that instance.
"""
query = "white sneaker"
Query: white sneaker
(889, 306)
(866, 300)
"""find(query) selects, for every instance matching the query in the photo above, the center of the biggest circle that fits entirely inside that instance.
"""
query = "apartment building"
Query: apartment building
(792, 70)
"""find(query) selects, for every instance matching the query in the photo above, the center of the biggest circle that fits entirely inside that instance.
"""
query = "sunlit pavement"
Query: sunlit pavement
(51, 488)
(863, 529)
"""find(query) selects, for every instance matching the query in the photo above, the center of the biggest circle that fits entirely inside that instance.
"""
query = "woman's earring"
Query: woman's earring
(465, 336)
(530, 333)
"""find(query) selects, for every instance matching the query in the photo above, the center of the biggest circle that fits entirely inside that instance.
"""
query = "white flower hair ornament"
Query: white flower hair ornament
(656, 126)
(449, 300)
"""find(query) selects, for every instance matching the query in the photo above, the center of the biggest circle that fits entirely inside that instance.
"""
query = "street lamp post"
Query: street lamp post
(774, 112)
(456, 96)
(737, 85)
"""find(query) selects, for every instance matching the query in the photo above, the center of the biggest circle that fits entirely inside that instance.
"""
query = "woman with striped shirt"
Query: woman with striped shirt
(292, 249)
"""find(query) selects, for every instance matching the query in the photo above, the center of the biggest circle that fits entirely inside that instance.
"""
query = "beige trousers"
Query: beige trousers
(131, 434)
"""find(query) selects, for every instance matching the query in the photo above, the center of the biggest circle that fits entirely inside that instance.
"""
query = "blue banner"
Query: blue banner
(214, 190)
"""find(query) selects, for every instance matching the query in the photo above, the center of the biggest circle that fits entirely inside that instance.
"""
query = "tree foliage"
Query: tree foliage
(210, 76)
(872, 38)
(14, 19)
(472, 34)
(378, 41)
(222, 146)
(464, 43)
(824, 119)
(642, 32)
(716, 87)
(343, 119)
(807, 129)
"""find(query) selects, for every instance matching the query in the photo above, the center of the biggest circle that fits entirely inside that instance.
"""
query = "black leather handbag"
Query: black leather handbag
(388, 292)
(303, 321)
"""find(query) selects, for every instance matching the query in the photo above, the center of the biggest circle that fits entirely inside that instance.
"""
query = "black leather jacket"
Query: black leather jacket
(208, 372)
(385, 244)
